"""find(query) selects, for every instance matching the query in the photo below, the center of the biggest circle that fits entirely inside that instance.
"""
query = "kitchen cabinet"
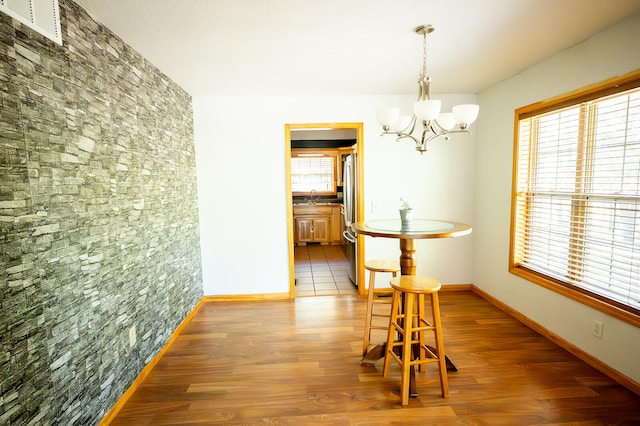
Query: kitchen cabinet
(312, 229)
(317, 223)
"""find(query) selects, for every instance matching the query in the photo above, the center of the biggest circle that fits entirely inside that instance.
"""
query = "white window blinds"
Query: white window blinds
(313, 172)
(576, 212)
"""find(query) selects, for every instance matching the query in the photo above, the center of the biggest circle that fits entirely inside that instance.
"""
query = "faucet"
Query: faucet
(313, 198)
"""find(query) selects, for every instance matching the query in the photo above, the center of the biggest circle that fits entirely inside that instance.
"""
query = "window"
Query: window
(576, 196)
(313, 170)
(42, 16)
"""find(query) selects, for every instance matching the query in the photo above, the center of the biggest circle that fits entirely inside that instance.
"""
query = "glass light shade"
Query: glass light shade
(446, 120)
(427, 110)
(387, 117)
(403, 122)
(465, 114)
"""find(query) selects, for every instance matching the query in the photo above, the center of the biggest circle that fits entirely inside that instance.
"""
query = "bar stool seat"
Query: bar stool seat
(373, 266)
(409, 321)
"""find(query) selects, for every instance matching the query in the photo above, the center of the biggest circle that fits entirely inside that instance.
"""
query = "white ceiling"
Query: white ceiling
(309, 47)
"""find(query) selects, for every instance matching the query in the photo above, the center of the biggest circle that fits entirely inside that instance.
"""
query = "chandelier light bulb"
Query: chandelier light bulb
(387, 117)
(465, 114)
(427, 110)
(446, 121)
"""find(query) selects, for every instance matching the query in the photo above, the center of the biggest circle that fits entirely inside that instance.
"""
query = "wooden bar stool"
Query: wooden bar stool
(409, 321)
(373, 266)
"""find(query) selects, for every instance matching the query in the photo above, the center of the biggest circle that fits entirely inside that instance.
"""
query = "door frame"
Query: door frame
(359, 127)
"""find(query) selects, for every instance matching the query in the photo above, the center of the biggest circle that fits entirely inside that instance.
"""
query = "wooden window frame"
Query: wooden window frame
(596, 301)
(325, 153)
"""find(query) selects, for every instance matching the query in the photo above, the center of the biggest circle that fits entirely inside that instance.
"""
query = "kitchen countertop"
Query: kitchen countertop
(321, 202)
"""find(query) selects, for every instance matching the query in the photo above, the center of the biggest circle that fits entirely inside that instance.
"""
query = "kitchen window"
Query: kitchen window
(575, 220)
(313, 170)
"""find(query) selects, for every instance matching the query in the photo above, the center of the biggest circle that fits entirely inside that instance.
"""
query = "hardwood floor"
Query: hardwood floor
(296, 362)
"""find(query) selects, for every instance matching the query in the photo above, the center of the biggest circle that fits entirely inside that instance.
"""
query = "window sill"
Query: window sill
(623, 313)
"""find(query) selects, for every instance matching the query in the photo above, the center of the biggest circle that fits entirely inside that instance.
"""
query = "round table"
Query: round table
(407, 234)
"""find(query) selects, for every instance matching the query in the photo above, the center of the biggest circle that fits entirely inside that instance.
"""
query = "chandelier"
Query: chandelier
(435, 124)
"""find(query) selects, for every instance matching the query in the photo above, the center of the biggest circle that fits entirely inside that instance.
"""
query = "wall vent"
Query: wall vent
(41, 15)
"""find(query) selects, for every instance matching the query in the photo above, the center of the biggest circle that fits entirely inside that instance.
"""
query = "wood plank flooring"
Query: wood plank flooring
(296, 362)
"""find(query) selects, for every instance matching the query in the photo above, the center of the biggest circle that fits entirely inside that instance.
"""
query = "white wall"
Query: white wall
(609, 53)
(241, 180)
(240, 153)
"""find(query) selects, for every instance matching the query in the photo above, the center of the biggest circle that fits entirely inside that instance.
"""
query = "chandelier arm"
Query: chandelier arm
(409, 136)
(436, 132)
(424, 145)
(460, 131)
(424, 139)
(401, 135)
(412, 124)
(437, 129)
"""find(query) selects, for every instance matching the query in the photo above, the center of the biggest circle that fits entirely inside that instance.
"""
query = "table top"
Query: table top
(417, 229)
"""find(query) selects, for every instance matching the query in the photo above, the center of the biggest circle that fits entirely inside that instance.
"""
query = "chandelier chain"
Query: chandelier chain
(424, 54)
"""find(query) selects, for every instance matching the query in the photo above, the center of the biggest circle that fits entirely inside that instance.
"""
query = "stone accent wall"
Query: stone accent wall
(98, 219)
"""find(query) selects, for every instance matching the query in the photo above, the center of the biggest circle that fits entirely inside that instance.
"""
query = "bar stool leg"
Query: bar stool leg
(393, 319)
(444, 381)
(407, 352)
(367, 323)
(371, 294)
(420, 321)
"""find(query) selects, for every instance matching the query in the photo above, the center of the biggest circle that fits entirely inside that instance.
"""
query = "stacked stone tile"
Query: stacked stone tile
(98, 219)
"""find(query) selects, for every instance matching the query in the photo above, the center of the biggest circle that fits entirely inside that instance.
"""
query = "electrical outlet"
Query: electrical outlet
(132, 336)
(597, 328)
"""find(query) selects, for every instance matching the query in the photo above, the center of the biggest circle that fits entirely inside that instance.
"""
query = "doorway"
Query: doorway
(341, 138)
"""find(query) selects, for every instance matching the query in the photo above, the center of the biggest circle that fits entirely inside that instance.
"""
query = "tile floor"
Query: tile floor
(321, 271)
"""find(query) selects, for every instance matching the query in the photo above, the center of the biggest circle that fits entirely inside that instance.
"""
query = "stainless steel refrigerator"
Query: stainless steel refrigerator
(349, 211)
